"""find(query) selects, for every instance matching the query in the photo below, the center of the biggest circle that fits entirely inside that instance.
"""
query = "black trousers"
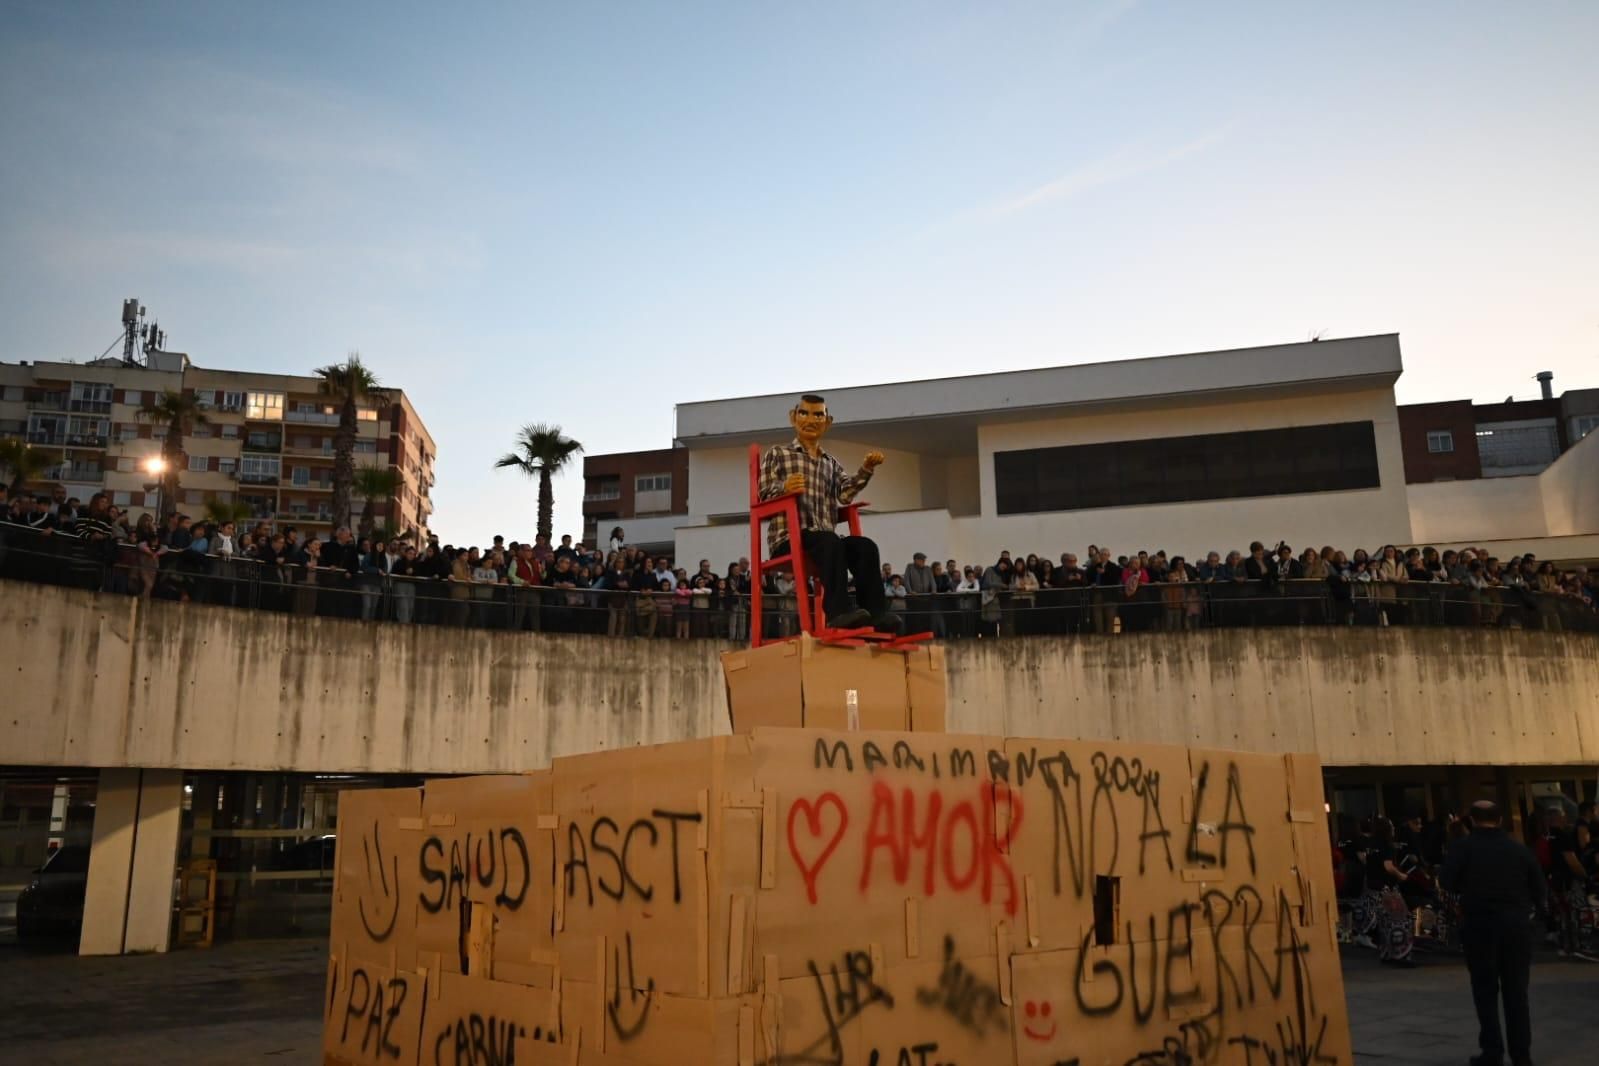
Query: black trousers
(1499, 954)
(832, 559)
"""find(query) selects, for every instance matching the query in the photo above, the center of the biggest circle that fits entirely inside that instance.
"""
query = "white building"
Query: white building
(1185, 452)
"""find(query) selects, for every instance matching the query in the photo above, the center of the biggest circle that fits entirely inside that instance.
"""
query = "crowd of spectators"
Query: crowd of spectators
(623, 590)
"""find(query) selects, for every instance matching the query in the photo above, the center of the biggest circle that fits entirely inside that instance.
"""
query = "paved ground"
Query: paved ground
(260, 1002)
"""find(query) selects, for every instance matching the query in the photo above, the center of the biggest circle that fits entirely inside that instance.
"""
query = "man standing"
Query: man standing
(1499, 884)
(801, 466)
(920, 584)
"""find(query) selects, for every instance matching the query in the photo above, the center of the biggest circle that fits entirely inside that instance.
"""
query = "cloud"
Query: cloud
(1118, 166)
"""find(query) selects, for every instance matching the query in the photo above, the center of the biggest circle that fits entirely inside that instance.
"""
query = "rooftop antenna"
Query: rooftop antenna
(132, 329)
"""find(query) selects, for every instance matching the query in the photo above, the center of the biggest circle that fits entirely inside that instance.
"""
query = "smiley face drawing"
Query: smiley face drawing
(1038, 1025)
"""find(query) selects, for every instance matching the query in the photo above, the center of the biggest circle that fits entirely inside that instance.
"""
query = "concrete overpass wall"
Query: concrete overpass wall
(108, 681)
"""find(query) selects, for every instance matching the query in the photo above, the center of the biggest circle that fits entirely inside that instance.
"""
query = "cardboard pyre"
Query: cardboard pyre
(808, 682)
(793, 897)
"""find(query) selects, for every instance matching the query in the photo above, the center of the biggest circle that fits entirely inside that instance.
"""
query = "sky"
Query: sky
(587, 213)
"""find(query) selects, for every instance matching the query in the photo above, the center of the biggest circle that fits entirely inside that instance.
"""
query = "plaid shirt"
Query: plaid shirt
(827, 488)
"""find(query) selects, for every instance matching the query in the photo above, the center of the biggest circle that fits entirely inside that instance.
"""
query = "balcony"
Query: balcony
(42, 436)
(98, 407)
(263, 442)
(86, 440)
(254, 477)
(49, 401)
(313, 418)
(73, 472)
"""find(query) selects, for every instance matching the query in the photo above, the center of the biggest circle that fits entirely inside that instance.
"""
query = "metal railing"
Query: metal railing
(187, 576)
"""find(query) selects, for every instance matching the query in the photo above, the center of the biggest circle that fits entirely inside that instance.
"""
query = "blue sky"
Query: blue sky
(585, 214)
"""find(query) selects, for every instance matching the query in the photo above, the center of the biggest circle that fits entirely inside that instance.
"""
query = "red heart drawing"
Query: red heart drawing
(813, 825)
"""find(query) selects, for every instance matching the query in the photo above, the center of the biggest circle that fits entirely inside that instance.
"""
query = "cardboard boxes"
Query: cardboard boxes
(805, 682)
(802, 896)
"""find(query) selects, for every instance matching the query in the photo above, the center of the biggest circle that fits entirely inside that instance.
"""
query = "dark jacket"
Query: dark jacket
(1493, 873)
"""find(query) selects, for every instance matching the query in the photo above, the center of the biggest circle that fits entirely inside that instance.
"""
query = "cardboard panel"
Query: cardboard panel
(490, 841)
(633, 864)
(828, 673)
(763, 686)
(375, 876)
(1098, 821)
(615, 1028)
(1236, 823)
(372, 1013)
(927, 687)
(475, 1020)
(888, 839)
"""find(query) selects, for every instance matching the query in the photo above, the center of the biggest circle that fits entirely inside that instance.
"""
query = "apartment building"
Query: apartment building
(267, 441)
(646, 493)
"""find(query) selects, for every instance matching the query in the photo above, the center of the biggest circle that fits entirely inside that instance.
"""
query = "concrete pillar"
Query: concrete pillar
(127, 903)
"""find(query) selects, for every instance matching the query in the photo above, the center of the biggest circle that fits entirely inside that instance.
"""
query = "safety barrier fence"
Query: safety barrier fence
(61, 559)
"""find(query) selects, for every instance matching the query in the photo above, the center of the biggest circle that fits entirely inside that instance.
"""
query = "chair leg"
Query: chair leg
(802, 589)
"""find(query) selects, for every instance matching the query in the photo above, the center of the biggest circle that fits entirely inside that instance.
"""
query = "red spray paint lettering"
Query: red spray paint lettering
(966, 844)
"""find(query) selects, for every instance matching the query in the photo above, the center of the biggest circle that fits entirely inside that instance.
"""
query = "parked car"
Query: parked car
(52, 903)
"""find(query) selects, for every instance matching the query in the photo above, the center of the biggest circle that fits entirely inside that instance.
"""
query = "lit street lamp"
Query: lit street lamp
(155, 466)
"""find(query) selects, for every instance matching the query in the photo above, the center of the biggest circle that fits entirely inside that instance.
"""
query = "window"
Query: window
(362, 447)
(1212, 466)
(230, 401)
(133, 397)
(226, 465)
(653, 483)
(267, 406)
(302, 475)
(14, 393)
(127, 433)
(1440, 441)
(261, 469)
(193, 496)
(230, 432)
(201, 432)
(88, 431)
(122, 499)
(199, 464)
(126, 464)
(366, 414)
(1583, 425)
(91, 396)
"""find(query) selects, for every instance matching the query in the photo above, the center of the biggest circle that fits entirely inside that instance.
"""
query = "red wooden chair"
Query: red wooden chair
(812, 618)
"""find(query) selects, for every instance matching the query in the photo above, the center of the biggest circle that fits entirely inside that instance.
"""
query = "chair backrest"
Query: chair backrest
(755, 474)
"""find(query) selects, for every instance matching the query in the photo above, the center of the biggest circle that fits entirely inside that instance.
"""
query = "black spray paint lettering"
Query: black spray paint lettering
(481, 1040)
(965, 996)
(1234, 819)
(379, 1007)
(853, 990)
(1166, 972)
(1193, 1043)
(498, 858)
(915, 1055)
(613, 864)
(377, 927)
(638, 1000)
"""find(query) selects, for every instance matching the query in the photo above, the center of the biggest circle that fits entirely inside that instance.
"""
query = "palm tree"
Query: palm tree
(374, 483)
(541, 451)
(220, 511)
(24, 461)
(348, 384)
(179, 412)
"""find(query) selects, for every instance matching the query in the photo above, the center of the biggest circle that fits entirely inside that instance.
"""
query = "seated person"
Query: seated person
(802, 466)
